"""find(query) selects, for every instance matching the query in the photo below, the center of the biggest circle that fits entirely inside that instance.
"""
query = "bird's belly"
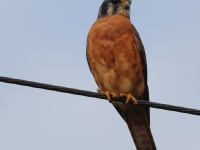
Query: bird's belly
(117, 69)
(123, 77)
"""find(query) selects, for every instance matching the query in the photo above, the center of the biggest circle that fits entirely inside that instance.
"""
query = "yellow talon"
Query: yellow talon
(108, 94)
(129, 97)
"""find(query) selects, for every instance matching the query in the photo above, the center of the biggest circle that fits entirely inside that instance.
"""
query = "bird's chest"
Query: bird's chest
(114, 58)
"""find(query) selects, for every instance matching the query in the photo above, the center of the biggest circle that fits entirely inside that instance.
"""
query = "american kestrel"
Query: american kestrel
(117, 60)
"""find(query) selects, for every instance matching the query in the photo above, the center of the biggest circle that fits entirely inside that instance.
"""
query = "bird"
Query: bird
(117, 61)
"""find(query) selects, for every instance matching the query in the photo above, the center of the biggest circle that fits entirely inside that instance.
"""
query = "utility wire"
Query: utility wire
(96, 95)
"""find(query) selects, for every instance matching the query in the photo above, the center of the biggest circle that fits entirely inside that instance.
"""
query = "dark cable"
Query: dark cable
(96, 95)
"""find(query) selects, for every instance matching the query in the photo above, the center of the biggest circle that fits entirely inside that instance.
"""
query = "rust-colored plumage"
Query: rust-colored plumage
(117, 60)
(111, 56)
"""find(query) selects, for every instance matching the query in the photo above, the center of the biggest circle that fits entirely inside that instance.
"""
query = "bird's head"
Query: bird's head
(114, 7)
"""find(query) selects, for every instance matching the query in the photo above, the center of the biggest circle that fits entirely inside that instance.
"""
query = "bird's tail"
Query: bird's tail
(138, 124)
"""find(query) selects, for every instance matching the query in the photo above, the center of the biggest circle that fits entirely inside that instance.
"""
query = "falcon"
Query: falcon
(117, 60)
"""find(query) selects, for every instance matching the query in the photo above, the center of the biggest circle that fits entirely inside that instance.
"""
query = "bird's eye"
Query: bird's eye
(114, 1)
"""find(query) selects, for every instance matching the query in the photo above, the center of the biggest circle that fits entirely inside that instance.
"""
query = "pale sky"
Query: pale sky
(44, 41)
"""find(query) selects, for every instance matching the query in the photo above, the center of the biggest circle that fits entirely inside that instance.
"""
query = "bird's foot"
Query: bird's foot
(129, 97)
(108, 94)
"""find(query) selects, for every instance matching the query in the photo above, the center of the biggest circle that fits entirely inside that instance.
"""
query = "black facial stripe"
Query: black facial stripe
(114, 1)
(115, 9)
(104, 8)
(127, 7)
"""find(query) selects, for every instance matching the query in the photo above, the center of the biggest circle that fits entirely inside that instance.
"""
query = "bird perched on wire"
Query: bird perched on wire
(117, 60)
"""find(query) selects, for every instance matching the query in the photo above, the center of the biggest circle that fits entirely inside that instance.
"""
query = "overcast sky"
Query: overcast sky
(44, 41)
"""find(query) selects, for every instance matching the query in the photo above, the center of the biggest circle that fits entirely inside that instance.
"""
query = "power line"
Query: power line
(96, 95)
